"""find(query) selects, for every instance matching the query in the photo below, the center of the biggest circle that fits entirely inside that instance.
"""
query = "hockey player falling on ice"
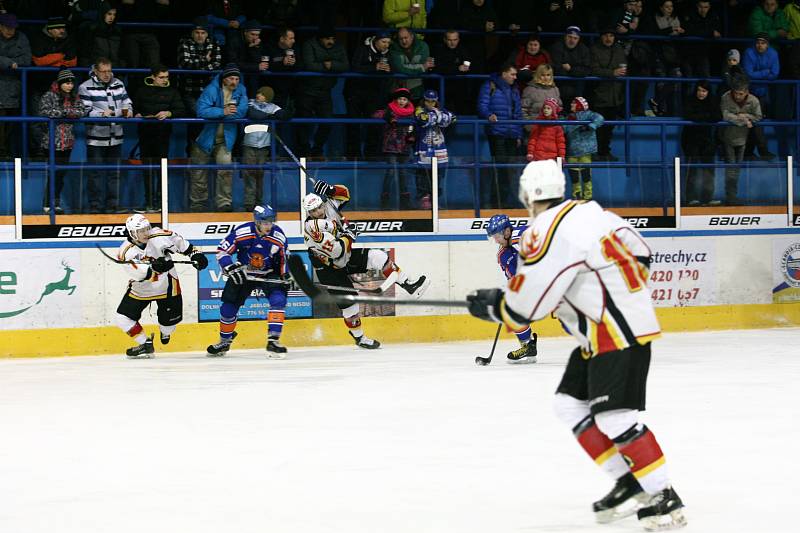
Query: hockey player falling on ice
(330, 248)
(500, 231)
(253, 256)
(153, 278)
(589, 267)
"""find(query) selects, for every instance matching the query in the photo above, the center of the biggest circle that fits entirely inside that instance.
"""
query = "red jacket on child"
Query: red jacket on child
(546, 141)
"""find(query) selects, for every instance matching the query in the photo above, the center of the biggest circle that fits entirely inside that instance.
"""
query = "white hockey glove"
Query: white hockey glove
(236, 273)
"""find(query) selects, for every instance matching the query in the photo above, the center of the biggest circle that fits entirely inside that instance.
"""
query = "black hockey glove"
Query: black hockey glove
(162, 264)
(322, 188)
(236, 273)
(199, 260)
(485, 304)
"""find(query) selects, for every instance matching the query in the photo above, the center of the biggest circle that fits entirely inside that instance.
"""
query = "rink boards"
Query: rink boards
(60, 298)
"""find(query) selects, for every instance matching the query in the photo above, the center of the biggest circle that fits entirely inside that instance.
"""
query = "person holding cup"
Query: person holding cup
(246, 49)
(405, 14)
(453, 59)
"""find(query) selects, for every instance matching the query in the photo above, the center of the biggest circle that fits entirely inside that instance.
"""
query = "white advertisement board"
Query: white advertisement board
(682, 273)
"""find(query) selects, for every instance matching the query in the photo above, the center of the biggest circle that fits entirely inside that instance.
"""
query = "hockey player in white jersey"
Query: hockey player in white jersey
(589, 267)
(153, 278)
(499, 230)
(330, 248)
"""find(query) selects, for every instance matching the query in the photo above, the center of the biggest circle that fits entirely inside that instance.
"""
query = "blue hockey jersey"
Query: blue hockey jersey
(261, 254)
(507, 255)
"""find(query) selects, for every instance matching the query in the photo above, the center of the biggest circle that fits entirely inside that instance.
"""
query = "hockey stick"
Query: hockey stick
(298, 271)
(483, 361)
(263, 128)
(136, 261)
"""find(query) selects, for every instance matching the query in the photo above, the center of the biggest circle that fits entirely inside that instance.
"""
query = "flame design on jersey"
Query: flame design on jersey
(533, 250)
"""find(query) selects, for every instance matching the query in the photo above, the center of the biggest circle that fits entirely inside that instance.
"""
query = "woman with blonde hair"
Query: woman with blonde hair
(539, 89)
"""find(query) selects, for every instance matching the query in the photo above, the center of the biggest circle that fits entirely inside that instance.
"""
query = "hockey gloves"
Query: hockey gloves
(161, 265)
(323, 189)
(236, 273)
(485, 304)
(199, 260)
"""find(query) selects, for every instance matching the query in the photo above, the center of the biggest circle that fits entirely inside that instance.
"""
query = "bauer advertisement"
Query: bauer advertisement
(40, 287)
(786, 270)
(682, 273)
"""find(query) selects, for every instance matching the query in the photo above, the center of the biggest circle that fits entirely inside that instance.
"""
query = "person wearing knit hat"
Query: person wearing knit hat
(581, 145)
(249, 52)
(9, 20)
(231, 69)
(734, 57)
(53, 47)
(201, 23)
(256, 145)
(547, 141)
(761, 63)
(55, 23)
(61, 101)
(396, 144)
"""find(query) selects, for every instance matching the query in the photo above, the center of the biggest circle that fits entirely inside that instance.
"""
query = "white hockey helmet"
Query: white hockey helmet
(311, 202)
(138, 228)
(541, 180)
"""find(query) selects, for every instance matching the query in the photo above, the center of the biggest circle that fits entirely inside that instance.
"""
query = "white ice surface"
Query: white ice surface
(410, 438)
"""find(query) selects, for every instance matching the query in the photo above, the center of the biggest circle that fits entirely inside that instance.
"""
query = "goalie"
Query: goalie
(330, 248)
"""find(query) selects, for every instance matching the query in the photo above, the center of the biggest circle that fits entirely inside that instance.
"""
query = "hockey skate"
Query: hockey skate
(624, 499)
(164, 339)
(219, 349)
(525, 353)
(365, 342)
(416, 288)
(275, 350)
(143, 351)
(665, 511)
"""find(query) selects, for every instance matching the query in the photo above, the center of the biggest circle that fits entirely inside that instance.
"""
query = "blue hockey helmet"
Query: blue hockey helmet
(497, 224)
(264, 217)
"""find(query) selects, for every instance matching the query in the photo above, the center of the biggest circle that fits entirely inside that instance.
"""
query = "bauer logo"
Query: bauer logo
(790, 265)
(734, 221)
(796, 220)
(482, 224)
(73, 231)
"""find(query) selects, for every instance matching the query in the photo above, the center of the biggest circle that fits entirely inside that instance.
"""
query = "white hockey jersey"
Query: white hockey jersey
(144, 283)
(580, 262)
(325, 241)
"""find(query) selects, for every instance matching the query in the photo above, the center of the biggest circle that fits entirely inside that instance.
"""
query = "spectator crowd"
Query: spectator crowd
(243, 53)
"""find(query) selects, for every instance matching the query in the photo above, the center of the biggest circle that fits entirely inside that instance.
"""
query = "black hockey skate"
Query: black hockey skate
(624, 499)
(365, 342)
(164, 339)
(665, 511)
(275, 350)
(525, 353)
(219, 349)
(143, 351)
(416, 288)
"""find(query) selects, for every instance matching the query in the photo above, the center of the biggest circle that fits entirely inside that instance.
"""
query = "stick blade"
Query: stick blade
(297, 268)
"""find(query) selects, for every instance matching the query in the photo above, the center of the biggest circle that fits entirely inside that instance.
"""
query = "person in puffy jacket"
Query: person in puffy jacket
(581, 146)
(498, 102)
(397, 139)
(547, 141)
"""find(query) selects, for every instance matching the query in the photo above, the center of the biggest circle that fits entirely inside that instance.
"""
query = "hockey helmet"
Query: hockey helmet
(497, 224)
(264, 218)
(138, 228)
(312, 202)
(541, 180)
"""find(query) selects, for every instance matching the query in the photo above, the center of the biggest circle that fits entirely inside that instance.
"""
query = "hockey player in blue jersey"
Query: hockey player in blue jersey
(500, 231)
(253, 256)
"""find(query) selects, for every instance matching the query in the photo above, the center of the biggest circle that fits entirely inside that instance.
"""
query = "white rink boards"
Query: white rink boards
(410, 438)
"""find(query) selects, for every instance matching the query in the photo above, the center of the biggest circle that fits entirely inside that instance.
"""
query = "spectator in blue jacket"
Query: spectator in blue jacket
(760, 62)
(498, 102)
(224, 98)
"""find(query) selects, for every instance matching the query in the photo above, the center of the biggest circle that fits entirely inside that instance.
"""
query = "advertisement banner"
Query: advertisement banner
(40, 289)
(682, 274)
(786, 270)
(210, 284)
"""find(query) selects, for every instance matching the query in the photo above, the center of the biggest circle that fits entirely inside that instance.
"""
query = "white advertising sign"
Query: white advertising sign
(786, 270)
(682, 273)
(40, 288)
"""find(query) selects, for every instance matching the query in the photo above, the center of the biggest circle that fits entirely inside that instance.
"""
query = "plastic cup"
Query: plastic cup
(467, 63)
(126, 112)
(289, 53)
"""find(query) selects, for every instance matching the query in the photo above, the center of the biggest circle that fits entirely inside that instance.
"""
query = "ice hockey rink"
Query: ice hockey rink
(409, 438)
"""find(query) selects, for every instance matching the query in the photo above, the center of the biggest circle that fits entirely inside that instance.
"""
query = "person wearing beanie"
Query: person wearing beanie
(397, 141)
(226, 18)
(256, 145)
(224, 99)
(53, 46)
(197, 52)
(365, 95)
(101, 38)
(761, 63)
(571, 58)
(430, 121)
(246, 49)
(156, 99)
(61, 101)
(321, 54)
(15, 52)
(581, 146)
(547, 141)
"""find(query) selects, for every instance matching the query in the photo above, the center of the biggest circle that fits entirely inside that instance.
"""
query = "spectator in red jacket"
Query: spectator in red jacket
(547, 141)
(527, 57)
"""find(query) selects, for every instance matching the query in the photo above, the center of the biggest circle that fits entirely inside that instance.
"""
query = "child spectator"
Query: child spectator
(61, 101)
(581, 145)
(256, 145)
(539, 89)
(547, 141)
(430, 120)
(397, 139)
